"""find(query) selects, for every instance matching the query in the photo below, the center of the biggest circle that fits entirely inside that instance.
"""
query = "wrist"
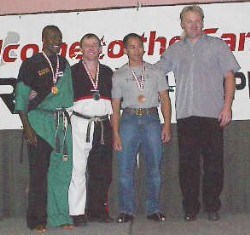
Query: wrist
(115, 133)
(166, 125)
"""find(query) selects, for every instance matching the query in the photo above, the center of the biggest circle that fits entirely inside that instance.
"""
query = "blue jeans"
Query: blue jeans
(136, 131)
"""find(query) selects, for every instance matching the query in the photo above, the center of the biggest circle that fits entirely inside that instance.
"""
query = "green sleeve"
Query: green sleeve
(22, 97)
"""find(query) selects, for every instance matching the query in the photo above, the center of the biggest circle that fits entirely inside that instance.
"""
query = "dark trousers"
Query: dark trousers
(99, 171)
(200, 136)
(39, 159)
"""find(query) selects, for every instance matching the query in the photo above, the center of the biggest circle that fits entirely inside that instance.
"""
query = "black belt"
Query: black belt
(61, 115)
(141, 111)
(93, 119)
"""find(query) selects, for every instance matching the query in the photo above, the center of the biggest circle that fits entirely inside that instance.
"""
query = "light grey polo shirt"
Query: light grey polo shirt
(199, 71)
(125, 86)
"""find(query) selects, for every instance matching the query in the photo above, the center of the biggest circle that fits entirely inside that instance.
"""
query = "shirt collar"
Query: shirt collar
(202, 38)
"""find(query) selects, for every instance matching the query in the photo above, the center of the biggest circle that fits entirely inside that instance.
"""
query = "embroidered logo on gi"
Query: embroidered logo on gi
(44, 71)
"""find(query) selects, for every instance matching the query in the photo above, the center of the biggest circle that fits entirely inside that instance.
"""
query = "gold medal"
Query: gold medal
(141, 98)
(54, 90)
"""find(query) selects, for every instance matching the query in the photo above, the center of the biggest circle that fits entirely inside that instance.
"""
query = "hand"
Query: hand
(225, 117)
(32, 95)
(117, 143)
(30, 135)
(165, 134)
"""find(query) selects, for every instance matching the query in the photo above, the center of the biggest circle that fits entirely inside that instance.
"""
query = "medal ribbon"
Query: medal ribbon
(93, 81)
(55, 74)
(139, 82)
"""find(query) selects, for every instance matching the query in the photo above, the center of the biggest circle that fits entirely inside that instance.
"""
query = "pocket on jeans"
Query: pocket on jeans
(125, 117)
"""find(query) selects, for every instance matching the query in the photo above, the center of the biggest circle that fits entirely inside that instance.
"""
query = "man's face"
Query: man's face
(134, 49)
(90, 48)
(52, 41)
(192, 24)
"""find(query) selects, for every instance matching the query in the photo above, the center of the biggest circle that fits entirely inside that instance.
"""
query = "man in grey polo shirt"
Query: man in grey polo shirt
(204, 68)
(140, 86)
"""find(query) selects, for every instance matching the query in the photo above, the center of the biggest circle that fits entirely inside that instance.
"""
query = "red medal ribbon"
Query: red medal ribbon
(139, 82)
(93, 81)
(55, 74)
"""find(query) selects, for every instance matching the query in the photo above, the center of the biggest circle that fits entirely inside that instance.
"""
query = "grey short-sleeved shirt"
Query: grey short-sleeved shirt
(199, 71)
(124, 86)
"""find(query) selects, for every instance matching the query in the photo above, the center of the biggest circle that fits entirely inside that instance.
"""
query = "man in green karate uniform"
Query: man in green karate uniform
(43, 92)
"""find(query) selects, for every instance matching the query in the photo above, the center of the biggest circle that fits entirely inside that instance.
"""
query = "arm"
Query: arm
(21, 104)
(28, 130)
(166, 112)
(115, 121)
(165, 63)
(229, 89)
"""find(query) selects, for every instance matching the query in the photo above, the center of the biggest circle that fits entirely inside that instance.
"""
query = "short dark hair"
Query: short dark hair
(49, 27)
(131, 35)
(91, 35)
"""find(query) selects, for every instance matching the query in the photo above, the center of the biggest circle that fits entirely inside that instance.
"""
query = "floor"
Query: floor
(229, 224)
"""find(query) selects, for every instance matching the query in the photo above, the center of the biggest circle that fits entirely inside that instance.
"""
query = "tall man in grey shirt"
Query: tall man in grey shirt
(137, 88)
(204, 68)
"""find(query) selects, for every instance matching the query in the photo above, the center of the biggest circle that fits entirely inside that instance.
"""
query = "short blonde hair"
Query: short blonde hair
(193, 8)
(91, 35)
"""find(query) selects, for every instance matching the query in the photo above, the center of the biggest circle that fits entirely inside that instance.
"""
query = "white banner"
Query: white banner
(20, 38)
